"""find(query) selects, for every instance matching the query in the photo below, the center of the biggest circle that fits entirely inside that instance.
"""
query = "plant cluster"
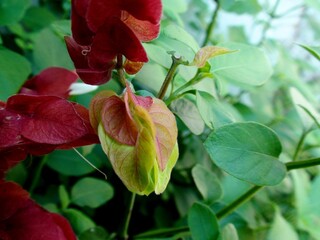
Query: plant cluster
(218, 140)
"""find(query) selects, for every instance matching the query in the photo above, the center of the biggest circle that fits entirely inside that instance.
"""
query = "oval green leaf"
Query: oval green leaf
(14, 72)
(78, 220)
(247, 151)
(203, 222)
(69, 163)
(96, 233)
(207, 183)
(11, 11)
(213, 113)
(189, 114)
(249, 65)
(91, 192)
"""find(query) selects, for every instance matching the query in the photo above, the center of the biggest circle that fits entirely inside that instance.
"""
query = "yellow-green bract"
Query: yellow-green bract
(139, 136)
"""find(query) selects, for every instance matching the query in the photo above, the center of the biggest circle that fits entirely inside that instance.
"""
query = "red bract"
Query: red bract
(54, 81)
(105, 29)
(40, 124)
(22, 218)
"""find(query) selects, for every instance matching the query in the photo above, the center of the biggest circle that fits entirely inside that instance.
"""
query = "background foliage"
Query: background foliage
(243, 116)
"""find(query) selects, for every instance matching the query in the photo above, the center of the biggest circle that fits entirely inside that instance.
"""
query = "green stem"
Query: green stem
(239, 201)
(198, 77)
(300, 145)
(268, 24)
(37, 175)
(303, 164)
(250, 193)
(176, 61)
(212, 24)
(124, 233)
(236, 203)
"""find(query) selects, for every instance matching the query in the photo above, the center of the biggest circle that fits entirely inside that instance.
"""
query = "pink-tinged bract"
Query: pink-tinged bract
(139, 136)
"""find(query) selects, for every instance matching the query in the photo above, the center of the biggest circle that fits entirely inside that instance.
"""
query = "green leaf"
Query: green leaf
(50, 50)
(187, 111)
(37, 18)
(203, 222)
(241, 6)
(69, 163)
(206, 53)
(14, 72)
(96, 233)
(64, 197)
(229, 232)
(78, 220)
(314, 51)
(213, 113)
(281, 229)
(313, 4)
(249, 65)
(207, 183)
(158, 54)
(248, 151)
(11, 11)
(91, 192)
(178, 33)
(178, 6)
(304, 108)
(17, 174)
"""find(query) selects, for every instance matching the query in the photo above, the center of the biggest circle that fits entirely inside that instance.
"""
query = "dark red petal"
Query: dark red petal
(144, 30)
(147, 10)
(117, 123)
(10, 128)
(52, 81)
(115, 38)
(99, 10)
(48, 119)
(64, 225)
(21, 218)
(79, 57)
(78, 53)
(80, 31)
(12, 197)
(9, 157)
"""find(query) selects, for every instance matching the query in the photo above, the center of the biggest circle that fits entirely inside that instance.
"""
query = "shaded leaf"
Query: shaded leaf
(11, 11)
(91, 192)
(69, 163)
(281, 229)
(64, 197)
(229, 232)
(14, 71)
(50, 50)
(207, 183)
(203, 222)
(96, 233)
(213, 113)
(187, 111)
(78, 220)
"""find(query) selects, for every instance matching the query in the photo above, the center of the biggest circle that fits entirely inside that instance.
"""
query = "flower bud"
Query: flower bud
(139, 136)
